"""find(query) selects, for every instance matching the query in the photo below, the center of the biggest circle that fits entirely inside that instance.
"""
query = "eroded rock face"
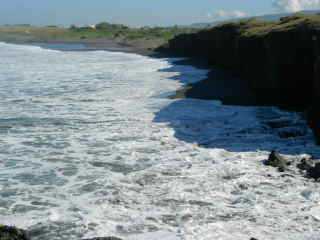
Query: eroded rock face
(277, 60)
(12, 233)
(281, 61)
(314, 111)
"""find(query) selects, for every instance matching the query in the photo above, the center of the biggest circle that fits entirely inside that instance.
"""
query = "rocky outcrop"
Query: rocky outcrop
(279, 60)
(310, 168)
(277, 161)
(305, 164)
(12, 233)
(314, 172)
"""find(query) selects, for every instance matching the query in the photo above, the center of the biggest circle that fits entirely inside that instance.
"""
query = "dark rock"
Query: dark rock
(305, 164)
(255, 51)
(314, 172)
(277, 161)
(286, 75)
(315, 110)
(12, 233)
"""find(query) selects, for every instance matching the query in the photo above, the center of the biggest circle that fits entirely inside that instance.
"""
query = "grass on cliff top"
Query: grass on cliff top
(32, 33)
(255, 27)
(103, 31)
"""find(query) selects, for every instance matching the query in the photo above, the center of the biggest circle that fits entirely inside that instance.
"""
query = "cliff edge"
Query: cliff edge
(280, 60)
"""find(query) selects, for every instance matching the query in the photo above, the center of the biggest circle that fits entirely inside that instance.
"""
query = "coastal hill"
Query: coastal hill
(100, 36)
(267, 17)
(280, 60)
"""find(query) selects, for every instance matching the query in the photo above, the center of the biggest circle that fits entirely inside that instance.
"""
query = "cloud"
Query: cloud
(222, 14)
(296, 5)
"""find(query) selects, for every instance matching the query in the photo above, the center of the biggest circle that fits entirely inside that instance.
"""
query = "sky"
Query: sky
(141, 12)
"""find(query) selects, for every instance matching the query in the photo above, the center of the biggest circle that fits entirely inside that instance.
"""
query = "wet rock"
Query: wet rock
(314, 172)
(305, 164)
(12, 233)
(277, 161)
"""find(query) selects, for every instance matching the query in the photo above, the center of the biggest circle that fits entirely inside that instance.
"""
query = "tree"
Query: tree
(73, 27)
(103, 26)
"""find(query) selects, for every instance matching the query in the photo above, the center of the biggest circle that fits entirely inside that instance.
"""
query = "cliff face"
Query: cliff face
(314, 110)
(279, 59)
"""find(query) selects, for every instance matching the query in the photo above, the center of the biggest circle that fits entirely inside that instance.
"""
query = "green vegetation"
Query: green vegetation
(258, 27)
(160, 35)
(101, 31)
(255, 27)
(121, 31)
(31, 33)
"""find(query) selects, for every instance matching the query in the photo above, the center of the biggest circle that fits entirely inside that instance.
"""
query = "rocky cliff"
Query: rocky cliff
(279, 59)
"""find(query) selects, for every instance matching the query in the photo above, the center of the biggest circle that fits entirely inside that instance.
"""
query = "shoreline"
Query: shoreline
(207, 89)
(218, 85)
(106, 45)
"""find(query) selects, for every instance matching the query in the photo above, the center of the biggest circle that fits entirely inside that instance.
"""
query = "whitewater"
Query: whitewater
(91, 146)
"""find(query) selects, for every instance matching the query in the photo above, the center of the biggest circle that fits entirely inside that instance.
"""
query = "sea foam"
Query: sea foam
(91, 146)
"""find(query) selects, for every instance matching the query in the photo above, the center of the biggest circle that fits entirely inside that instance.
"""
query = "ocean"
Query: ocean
(91, 146)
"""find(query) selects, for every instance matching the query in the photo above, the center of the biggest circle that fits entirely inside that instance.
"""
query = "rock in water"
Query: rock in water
(314, 172)
(12, 233)
(277, 161)
(305, 164)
